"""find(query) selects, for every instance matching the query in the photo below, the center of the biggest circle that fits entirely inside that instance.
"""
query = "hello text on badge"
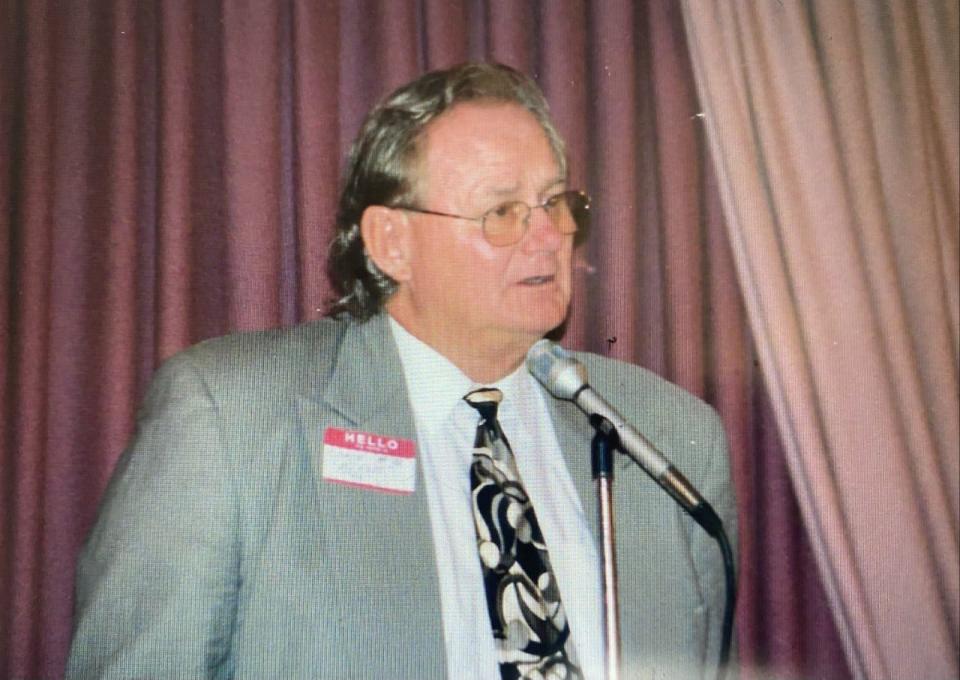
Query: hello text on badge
(369, 461)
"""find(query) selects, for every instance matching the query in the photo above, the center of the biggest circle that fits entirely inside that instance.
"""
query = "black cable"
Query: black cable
(707, 518)
(730, 604)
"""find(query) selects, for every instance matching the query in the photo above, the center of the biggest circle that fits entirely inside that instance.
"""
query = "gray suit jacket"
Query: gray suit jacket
(220, 552)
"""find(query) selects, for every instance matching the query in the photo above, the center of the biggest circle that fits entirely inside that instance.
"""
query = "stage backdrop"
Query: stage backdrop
(169, 171)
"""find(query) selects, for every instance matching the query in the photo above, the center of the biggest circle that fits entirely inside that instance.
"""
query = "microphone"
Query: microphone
(566, 378)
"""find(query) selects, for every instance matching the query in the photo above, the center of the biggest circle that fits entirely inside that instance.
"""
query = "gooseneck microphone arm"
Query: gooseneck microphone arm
(653, 463)
(566, 378)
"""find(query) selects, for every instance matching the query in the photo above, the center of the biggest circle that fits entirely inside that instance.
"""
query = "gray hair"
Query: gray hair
(384, 153)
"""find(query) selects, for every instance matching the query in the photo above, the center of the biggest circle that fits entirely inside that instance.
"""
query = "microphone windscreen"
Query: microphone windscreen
(556, 369)
(539, 361)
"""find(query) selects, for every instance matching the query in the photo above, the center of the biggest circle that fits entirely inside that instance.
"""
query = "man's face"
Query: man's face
(472, 158)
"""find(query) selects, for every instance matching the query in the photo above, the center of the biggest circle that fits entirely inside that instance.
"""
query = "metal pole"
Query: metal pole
(611, 613)
(603, 447)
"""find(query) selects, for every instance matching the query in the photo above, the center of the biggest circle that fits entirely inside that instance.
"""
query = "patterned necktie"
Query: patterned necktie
(529, 624)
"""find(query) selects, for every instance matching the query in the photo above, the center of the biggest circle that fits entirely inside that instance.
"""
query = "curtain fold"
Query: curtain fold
(833, 127)
(169, 172)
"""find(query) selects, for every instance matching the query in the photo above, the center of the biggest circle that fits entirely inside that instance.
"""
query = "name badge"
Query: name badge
(369, 461)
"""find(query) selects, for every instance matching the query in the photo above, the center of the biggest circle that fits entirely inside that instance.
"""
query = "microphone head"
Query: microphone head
(556, 369)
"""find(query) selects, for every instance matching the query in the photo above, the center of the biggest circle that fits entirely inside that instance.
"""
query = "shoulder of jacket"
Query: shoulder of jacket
(638, 388)
(253, 359)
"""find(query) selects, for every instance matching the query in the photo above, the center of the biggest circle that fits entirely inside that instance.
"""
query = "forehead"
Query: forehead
(486, 147)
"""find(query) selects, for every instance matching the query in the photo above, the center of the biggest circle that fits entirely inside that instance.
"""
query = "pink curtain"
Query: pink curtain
(834, 130)
(169, 171)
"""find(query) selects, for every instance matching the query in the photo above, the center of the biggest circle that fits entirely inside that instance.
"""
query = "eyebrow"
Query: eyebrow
(560, 179)
(508, 191)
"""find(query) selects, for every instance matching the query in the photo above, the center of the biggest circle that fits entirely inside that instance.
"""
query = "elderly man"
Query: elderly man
(388, 493)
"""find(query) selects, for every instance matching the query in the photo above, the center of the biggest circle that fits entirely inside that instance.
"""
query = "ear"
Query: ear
(385, 234)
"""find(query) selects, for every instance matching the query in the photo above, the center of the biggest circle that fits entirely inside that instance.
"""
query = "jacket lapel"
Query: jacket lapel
(386, 538)
(366, 386)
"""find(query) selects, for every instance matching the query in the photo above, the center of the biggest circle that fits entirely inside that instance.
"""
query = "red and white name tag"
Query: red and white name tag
(369, 461)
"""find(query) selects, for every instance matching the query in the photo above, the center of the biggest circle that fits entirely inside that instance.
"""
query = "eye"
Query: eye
(504, 209)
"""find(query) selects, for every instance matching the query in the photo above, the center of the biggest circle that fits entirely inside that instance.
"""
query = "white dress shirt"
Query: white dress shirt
(446, 426)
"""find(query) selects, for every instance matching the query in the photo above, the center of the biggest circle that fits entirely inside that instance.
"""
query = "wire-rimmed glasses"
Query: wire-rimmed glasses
(505, 224)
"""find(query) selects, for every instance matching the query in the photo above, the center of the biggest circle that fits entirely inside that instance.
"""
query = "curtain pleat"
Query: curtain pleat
(316, 134)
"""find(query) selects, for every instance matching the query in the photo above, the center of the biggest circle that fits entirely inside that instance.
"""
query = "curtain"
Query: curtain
(169, 172)
(834, 130)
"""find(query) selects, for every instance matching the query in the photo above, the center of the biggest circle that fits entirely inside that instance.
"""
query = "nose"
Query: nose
(541, 233)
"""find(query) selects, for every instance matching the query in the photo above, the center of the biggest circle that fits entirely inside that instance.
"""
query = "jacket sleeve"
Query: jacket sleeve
(157, 580)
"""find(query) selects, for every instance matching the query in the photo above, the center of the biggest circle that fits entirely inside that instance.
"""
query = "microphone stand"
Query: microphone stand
(604, 445)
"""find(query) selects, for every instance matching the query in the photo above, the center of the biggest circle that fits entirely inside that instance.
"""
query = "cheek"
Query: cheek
(458, 269)
(566, 261)
(478, 262)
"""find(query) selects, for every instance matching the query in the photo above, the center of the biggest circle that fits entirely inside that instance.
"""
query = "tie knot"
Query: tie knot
(485, 400)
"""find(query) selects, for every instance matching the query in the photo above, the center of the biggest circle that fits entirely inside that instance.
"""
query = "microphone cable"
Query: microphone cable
(707, 518)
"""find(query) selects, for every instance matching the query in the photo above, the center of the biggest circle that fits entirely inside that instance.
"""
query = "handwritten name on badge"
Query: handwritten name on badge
(369, 461)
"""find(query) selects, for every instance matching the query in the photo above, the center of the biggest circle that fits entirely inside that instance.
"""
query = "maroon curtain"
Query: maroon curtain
(169, 171)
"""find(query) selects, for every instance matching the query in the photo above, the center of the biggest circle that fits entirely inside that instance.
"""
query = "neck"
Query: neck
(485, 358)
(486, 368)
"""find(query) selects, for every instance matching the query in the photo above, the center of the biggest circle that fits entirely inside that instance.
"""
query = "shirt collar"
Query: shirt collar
(436, 386)
(434, 383)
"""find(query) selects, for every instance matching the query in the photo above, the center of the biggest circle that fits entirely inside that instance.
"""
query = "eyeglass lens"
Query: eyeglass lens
(507, 223)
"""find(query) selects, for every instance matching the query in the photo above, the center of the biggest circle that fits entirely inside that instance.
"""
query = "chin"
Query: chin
(537, 323)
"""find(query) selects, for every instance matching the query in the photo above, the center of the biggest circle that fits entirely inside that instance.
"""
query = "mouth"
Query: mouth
(538, 280)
